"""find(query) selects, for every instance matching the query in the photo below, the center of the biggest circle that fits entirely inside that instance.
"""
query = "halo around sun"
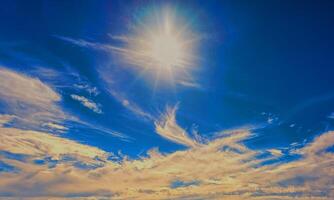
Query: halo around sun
(161, 45)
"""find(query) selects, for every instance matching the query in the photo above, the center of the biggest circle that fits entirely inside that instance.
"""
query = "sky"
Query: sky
(167, 100)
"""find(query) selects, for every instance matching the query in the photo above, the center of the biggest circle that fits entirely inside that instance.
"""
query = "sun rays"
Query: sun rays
(162, 47)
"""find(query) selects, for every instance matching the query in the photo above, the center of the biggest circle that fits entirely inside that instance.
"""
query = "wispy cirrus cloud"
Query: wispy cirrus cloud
(122, 98)
(90, 89)
(168, 128)
(87, 103)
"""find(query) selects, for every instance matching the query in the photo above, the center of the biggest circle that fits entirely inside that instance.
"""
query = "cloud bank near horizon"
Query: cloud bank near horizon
(44, 166)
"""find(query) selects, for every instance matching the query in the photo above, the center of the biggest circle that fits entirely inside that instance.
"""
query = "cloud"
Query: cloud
(58, 127)
(131, 106)
(31, 101)
(103, 130)
(87, 44)
(181, 78)
(40, 144)
(323, 142)
(190, 84)
(168, 128)
(276, 152)
(90, 89)
(87, 103)
(223, 168)
(4, 119)
(71, 80)
(19, 87)
(51, 167)
(28, 103)
(123, 99)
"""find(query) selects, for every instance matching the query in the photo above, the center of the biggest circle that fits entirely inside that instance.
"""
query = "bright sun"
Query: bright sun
(166, 50)
(160, 45)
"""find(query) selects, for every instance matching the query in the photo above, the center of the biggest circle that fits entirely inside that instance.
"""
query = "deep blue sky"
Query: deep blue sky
(268, 64)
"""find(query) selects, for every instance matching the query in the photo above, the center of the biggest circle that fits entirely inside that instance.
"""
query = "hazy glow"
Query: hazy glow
(166, 49)
(160, 45)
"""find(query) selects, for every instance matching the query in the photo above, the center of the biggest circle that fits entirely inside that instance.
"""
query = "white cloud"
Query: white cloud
(31, 104)
(40, 144)
(168, 128)
(56, 126)
(275, 152)
(22, 88)
(87, 103)
(90, 89)
(223, 169)
(30, 100)
(322, 143)
(190, 84)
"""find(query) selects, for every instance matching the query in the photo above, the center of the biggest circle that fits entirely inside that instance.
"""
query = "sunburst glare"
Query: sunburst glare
(161, 46)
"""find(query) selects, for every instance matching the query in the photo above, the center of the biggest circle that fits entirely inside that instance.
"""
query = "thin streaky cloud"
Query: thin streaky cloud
(87, 103)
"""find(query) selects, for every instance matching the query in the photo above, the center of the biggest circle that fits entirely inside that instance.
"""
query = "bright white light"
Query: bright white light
(166, 50)
(160, 45)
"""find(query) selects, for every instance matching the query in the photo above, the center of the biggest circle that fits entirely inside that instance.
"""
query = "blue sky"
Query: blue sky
(96, 84)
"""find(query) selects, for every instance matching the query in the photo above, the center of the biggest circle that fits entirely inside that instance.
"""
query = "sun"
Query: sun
(161, 45)
(166, 50)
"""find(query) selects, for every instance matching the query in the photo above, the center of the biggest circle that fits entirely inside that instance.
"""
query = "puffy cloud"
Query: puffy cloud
(87, 103)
